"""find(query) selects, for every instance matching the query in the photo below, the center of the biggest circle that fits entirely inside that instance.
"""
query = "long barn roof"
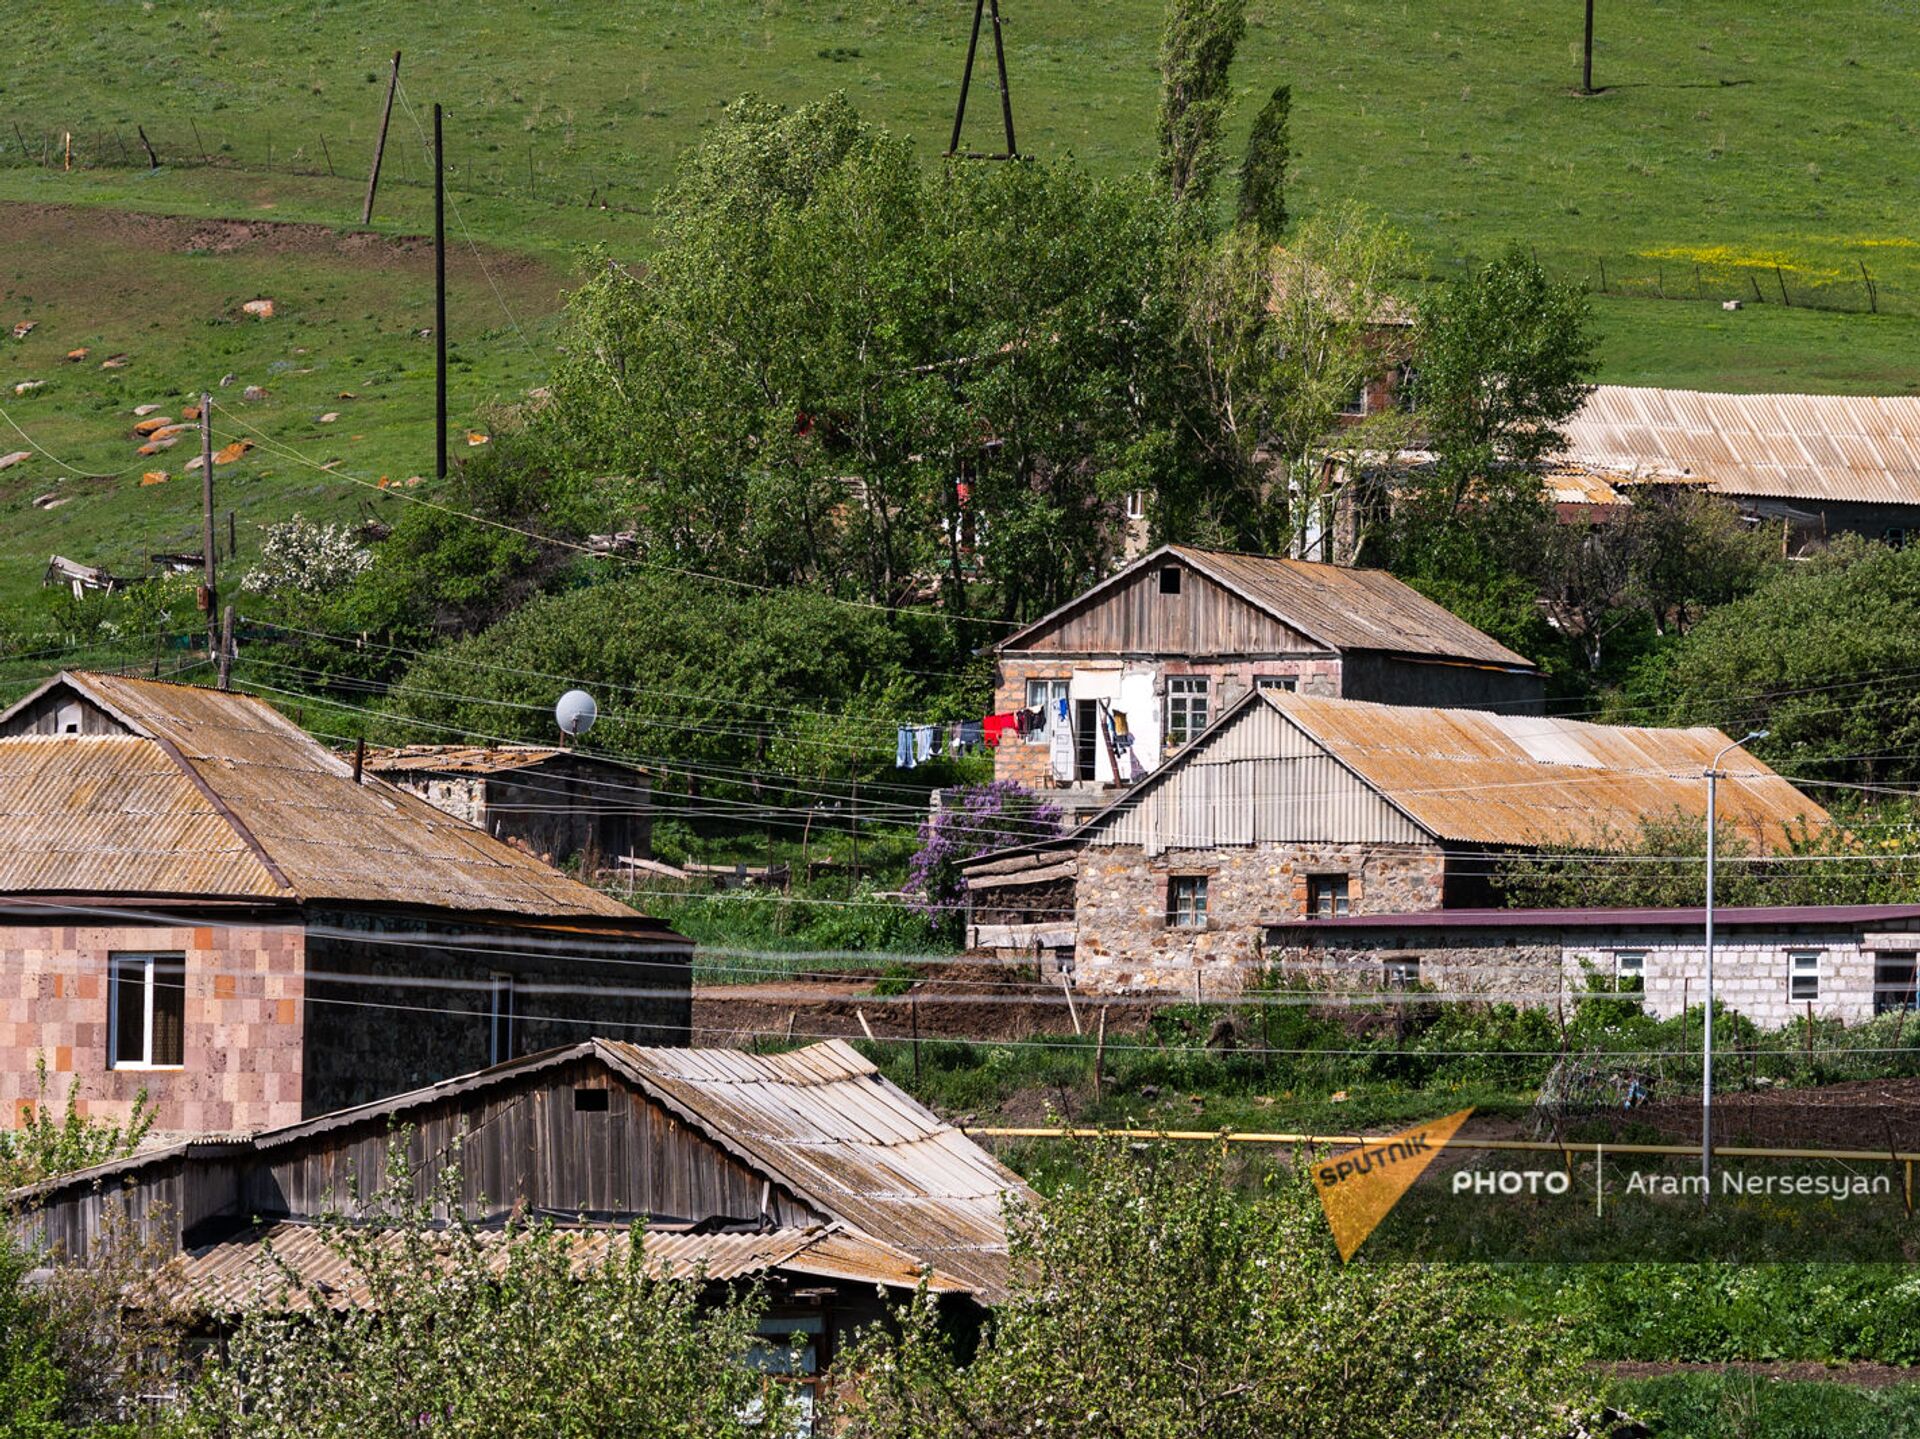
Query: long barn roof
(1862, 448)
(212, 794)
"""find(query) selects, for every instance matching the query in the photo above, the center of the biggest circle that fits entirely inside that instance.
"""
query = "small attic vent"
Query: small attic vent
(1170, 580)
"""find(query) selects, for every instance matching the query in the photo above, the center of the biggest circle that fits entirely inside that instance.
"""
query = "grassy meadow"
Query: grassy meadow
(1736, 148)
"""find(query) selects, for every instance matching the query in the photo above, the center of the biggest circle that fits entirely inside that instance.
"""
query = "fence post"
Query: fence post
(1783, 287)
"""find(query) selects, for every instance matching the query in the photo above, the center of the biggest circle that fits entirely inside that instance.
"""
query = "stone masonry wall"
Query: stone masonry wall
(242, 1035)
(410, 1004)
(1124, 942)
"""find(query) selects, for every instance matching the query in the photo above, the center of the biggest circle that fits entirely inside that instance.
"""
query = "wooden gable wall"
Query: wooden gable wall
(535, 1147)
(50, 713)
(1135, 618)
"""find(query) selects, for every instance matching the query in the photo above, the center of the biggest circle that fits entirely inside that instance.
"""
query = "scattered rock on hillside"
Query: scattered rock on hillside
(474, 437)
(259, 309)
(154, 477)
(27, 387)
(152, 423)
(142, 411)
(226, 380)
(23, 329)
(76, 356)
(192, 412)
(329, 417)
(47, 501)
(154, 447)
(253, 392)
(115, 362)
(7, 462)
(227, 454)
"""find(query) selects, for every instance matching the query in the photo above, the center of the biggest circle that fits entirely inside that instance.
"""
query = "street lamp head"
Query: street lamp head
(1757, 734)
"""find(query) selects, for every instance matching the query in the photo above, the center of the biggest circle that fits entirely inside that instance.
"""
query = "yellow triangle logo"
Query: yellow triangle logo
(1359, 1187)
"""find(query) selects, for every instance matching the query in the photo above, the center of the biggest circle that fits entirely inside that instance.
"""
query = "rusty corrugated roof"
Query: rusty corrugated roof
(218, 794)
(1341, 608)
(1350, 609)
(1863, 448)
(479, 759)
(1526, 780)
(826, 1123)
(254, 1269)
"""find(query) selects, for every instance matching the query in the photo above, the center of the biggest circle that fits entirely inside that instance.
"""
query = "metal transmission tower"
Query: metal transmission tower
(980, 9)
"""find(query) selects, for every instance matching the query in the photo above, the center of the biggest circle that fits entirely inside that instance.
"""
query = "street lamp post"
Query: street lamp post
(1706, 1049)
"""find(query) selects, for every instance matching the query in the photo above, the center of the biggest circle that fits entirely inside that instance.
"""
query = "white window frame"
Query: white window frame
(147, 965)
(1402, 971)
(1289, 684)
(1187, 689)
(1194, 914)
(1136, 504)
(1803, 966)
(1355, 405)
(1049, 691)
(500, 1017)
(1629, 964)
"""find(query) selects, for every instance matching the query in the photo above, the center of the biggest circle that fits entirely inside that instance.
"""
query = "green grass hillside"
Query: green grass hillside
(1737, 148)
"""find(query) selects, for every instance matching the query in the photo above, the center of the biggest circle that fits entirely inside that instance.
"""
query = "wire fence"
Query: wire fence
(549, 171)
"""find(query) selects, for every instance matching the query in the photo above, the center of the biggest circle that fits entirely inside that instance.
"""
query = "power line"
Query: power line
(287, 452)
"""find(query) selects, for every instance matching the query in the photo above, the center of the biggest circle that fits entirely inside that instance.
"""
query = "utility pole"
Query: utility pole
(226, 648)
(1706, 1048)
(439, 302)
(210, 601)
(380, 145)
(1586, 69)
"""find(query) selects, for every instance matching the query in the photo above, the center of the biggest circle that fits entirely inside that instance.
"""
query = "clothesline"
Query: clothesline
(917, 744)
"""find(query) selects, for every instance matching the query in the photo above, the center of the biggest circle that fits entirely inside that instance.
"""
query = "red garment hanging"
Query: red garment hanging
(998, 726)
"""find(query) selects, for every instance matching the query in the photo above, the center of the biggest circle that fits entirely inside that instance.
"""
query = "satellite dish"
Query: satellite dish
(575, 713)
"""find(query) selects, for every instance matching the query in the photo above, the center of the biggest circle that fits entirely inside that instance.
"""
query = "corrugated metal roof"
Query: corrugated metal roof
(826, 1123)
(253, 807)
(1863, 448)
(1342, 608)
(253, 1269)
(1479, 778)
(477, 759)
(1351, 609)
(457, 759)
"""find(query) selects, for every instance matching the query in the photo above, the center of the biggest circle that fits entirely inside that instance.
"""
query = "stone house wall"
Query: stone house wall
(412, 1003)
(242, 1036)
(1124, 942)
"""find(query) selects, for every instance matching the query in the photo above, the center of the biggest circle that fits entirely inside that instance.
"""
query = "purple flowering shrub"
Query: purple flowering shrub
(973, 819)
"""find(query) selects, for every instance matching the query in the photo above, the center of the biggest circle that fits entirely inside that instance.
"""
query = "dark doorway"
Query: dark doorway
(1086, 737)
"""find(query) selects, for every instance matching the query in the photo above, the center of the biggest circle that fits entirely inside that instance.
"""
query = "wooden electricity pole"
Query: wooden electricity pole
(439, 302)
(1586, 70)
(226, 648)
(380, 145)
(211, 600)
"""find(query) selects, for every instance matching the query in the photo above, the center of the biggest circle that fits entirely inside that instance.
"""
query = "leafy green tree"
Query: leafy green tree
(720, 679)
(1196, 59)
(843, 371)
(1263, 173)
(473, 1334)
(1276, 342)
(50, 1143)
(1153, 1301)
(1823, 654)
(32, 1388)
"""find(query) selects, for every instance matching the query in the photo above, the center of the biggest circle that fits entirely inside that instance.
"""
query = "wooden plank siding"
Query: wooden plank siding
(1203, 620)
